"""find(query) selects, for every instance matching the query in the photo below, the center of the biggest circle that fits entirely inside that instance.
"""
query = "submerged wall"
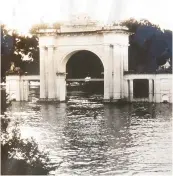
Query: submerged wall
(17, 87)
(160, 87)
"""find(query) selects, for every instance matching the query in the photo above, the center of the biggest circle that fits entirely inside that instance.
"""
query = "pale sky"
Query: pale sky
(22, 14)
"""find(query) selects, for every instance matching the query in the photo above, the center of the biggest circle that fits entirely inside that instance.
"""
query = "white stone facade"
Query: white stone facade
(109, 43)
(160, 87)
(17, 87)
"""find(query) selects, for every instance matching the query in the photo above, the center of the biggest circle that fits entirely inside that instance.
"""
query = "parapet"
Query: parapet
(83, 24)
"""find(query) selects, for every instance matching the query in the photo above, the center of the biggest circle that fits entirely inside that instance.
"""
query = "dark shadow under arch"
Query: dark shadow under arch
(84, 63)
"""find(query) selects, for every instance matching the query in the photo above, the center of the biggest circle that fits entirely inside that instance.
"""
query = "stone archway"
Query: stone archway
(86, 69)
(67, 55)
(62, 74)
(84, 63)
(109, 43)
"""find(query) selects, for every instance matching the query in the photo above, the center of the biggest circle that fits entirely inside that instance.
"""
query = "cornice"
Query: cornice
(83, 31)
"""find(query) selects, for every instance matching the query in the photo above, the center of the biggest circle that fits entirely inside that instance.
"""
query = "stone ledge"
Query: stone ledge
(116, 101)
(50, 100)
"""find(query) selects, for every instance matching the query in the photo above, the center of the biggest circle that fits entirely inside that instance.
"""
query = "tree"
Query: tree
(32, 161)
(13, 49)
(147, 44)
(28, 46)
(133, 24)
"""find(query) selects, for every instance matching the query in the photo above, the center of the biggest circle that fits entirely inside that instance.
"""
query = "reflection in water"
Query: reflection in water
(85, 137)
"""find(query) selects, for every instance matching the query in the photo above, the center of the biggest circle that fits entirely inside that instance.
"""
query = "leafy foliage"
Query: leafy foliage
(20, 156)
(35, 28)
(134, 24)
(32, 161)
(14, 48)
(149, 47)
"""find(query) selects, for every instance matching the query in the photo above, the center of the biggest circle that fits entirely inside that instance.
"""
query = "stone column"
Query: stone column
(106, 85)
(43, 58)
(25, 90)
(125, 89)
(125, 58)
(121, 71)
(51, 73)
(150, 90)
(157, 91)
(117, 70)
(131, 89)
(61, 87)
(111, 84)
(22, 90)
(18, 92)
(108, 94)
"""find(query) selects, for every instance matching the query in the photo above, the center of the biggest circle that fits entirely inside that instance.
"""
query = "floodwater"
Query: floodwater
(86, 137)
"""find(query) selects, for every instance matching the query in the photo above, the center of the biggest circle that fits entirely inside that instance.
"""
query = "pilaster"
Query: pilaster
(150, 90)
(108, 72)
(125, 57)
(131, 89)
(61, 87)
(117, 79)
(125, 89)
(51, 73)
(43, 76)
(157, 90)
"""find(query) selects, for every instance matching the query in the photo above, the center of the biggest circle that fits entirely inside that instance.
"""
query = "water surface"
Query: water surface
(86, 137)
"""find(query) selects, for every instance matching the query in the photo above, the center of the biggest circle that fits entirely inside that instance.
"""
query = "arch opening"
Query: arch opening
(85, 72)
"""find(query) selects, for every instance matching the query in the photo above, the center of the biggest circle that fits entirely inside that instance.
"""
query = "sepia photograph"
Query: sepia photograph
(86, 87)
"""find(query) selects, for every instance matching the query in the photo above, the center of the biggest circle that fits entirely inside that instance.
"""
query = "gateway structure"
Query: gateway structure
(110, 44)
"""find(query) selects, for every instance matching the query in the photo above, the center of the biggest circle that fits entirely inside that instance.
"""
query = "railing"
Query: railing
(27, 77)
(149, 72)
(85, 80)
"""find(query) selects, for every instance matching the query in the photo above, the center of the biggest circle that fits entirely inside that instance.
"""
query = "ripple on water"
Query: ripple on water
(85, 137)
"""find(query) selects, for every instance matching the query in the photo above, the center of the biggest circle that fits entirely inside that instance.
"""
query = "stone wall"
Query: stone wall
(17, 87)
(162, 87)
